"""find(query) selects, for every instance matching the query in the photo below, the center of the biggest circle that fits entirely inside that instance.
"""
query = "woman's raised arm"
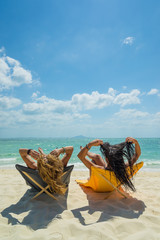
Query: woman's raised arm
(82, 154)
(137, 149)
(26, 155)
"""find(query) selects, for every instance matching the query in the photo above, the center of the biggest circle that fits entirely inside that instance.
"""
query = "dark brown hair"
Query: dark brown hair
(117, 156)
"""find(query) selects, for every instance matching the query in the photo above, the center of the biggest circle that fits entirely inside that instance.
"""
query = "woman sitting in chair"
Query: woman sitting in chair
(50, 166)
(117, 158)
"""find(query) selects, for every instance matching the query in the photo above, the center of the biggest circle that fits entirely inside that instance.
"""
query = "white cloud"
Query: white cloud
(124, 87)
(80, 102)
(44, 111)
(9, 102)
(46, 104)
(35, 94)
(131, 114)
(112, 91)
(49, 115)
(5, 79)
(153, 91)
(12, 61)
(133, 122)
(128, 40)
(33, 108)
(12, 74)
(128, 98)
(91, 101)
(2, 49)
(21, 76)
(42, 121)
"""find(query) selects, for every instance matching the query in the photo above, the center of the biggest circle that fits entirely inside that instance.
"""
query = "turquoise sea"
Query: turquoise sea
(9, 155)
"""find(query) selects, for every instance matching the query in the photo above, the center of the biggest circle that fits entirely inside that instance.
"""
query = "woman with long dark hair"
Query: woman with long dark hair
(116, 158)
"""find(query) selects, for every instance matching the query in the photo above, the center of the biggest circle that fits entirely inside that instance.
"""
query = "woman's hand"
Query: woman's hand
(55, 152)
(132, 140)
(41, 151)
(34, 154)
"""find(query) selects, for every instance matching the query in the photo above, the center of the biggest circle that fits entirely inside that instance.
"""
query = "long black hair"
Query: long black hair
(117, 156)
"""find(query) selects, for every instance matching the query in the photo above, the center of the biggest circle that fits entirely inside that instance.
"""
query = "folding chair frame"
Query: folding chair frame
(43, 189)
(25, 172)
(115, 188)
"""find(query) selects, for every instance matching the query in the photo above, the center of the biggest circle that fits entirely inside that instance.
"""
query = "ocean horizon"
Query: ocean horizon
(9, 149)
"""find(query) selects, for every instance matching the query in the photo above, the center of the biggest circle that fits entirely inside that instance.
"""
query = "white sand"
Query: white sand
(83, 215)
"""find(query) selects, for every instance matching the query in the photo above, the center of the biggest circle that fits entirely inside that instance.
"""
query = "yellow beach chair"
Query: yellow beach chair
(102, 180)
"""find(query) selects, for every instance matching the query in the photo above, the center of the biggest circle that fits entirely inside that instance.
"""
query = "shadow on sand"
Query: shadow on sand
(109, 206)
(38, 213)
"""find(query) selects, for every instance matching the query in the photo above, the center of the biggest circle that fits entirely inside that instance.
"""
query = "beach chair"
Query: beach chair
(34, 180)
(102, 180)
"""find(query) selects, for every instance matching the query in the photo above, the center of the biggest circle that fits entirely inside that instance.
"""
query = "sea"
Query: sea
(9, 150)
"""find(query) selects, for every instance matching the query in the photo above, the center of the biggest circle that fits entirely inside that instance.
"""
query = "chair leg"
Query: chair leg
(41, 192)
(43, 189)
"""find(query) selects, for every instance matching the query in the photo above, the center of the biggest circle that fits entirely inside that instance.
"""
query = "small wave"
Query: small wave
(7, 159)
(78, 164)
(9, 166)
(79, 167)
(152, 163)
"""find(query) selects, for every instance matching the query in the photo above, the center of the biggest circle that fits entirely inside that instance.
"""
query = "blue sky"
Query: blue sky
(89, 67)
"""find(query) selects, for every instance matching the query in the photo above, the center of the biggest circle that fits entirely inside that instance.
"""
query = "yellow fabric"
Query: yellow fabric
(99, 184)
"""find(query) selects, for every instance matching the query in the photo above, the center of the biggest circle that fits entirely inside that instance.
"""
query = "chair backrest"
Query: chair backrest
(34, 174)
(100, 179)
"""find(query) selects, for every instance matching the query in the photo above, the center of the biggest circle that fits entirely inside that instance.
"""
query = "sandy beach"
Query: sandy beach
(81, 213)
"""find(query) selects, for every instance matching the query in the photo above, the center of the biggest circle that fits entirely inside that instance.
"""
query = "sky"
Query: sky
(70, 68)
